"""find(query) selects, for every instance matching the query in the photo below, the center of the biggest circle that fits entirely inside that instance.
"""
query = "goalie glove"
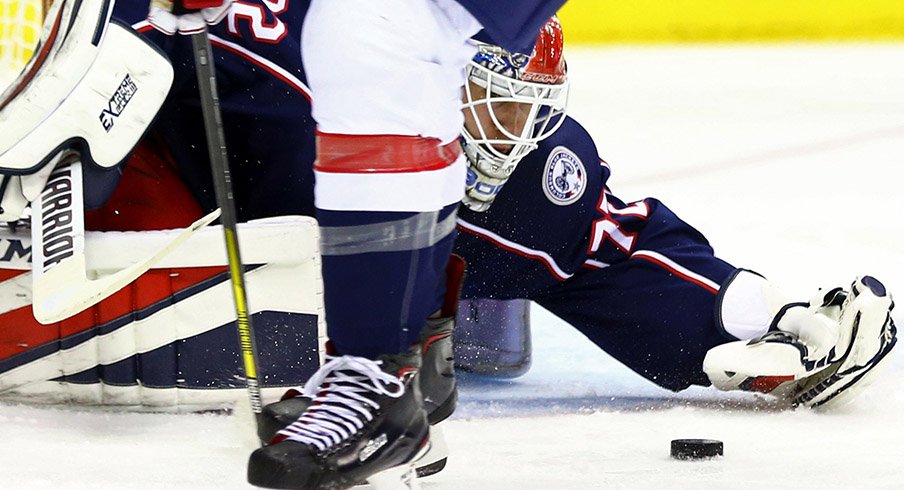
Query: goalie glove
(186, 16)
(821, 352)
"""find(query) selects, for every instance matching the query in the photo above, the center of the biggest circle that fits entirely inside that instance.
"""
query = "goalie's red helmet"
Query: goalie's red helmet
(547, 64)
(514, 100)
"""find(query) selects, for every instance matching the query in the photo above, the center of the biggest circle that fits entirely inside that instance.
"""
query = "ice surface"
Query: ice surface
(789, 158)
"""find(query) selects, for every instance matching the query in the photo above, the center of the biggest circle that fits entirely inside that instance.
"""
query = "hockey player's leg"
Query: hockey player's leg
(493, 337)
(436, 379)
(816, 353)
(389, 177)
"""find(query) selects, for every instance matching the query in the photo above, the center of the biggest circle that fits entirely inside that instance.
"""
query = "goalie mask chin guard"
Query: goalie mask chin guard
(93, 85)
(527, 92)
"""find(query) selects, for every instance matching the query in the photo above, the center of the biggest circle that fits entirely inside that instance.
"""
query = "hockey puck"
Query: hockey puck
(687, 449)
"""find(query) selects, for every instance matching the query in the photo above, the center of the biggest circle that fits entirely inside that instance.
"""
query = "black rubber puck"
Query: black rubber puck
(685, 449)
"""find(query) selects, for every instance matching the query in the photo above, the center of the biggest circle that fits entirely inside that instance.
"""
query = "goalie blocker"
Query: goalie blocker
(93, 86)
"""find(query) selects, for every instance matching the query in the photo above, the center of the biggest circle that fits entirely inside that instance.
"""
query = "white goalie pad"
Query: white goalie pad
(283, 282)
(92, 85)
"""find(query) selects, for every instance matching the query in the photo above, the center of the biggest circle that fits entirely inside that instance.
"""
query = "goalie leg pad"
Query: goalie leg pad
(493, 338)
(167, 340)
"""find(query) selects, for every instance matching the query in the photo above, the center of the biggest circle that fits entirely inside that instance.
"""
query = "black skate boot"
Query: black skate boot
(437, 376)
(363, 417)
(436, 379)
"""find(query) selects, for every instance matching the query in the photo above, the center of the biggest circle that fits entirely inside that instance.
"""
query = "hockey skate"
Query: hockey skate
(436, 380)
(364, 417)
(816, 354)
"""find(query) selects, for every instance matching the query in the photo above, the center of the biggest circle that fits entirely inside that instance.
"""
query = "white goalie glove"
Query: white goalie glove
(817, 353)
(186, 16)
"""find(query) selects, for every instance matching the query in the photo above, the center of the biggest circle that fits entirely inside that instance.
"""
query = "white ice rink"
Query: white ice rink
(789, 158)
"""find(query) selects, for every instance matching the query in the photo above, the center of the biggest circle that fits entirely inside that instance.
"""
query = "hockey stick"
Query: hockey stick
(61, 287)
(219, 166)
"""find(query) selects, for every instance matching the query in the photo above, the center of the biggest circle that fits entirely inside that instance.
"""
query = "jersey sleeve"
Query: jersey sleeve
(537, 231)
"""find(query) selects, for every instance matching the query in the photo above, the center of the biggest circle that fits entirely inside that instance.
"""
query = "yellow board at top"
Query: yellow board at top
(654, 21)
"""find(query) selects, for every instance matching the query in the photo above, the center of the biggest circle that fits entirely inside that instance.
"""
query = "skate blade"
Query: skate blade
(402, 477)
(434, 460)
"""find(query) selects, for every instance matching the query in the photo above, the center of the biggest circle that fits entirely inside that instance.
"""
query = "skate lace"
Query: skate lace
(340, 406)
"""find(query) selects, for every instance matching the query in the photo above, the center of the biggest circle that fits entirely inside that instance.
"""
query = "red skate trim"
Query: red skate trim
(292, 393)
(425, 441)
(766, 384)
(433, 339)
(354, 154)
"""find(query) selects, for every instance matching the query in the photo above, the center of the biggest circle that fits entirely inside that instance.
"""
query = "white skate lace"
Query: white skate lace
(340, 407)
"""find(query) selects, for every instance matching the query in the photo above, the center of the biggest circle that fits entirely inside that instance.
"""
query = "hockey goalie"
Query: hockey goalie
(162, 334)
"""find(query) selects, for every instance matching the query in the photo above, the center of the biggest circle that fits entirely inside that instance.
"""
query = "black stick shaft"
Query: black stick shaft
(219, 166)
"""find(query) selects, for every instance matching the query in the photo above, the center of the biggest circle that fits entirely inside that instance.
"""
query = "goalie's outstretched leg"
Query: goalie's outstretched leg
(816, 353)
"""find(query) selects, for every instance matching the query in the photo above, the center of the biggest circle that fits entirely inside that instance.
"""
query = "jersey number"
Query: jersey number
(607, 228)
(256, 18)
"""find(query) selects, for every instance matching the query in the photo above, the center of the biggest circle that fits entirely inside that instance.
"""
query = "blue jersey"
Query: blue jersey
(633, 277)
(265, 104)
(512, 24)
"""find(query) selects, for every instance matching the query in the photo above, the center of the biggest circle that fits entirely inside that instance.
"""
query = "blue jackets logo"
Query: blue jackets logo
(564, 177)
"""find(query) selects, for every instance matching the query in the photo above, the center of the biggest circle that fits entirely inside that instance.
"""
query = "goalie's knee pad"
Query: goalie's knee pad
(493, 337)
(820, 352)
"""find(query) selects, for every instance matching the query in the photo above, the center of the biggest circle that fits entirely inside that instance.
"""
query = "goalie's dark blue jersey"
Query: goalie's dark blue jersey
(264, 101)
(633, 277)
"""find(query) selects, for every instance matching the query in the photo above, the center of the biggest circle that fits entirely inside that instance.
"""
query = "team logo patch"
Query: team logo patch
(564, 177)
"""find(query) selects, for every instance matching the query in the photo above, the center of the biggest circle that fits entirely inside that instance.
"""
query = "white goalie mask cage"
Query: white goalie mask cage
(520, 100)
